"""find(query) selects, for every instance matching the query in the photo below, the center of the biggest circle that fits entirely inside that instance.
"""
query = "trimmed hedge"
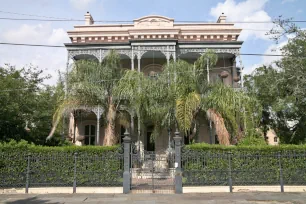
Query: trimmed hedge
(205, 164)
(54, 166)
(202, 164)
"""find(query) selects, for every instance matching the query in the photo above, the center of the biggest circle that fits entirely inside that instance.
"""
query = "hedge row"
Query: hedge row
(205, 164)
(54, 166)
(202, 164)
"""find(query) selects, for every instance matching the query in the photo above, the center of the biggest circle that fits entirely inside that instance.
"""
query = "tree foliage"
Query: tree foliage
(281, 89)
(92, 83)
(181, 92)
(27, 105)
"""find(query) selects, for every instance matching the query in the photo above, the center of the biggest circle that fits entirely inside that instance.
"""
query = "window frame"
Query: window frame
(92, 134)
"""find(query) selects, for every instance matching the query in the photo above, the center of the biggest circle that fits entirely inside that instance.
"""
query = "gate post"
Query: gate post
(281, 180)
(126, 173)
(28, 174)
(75, 172)
(178, 168)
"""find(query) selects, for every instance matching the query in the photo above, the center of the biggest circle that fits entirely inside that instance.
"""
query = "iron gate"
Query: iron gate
(152, 172)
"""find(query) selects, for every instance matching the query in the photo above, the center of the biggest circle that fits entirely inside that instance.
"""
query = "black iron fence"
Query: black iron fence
(61, 169)
(190, 167)
(239, 168)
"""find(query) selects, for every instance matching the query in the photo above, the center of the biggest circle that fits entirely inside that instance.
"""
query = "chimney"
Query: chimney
(88, 19)
(221, 18)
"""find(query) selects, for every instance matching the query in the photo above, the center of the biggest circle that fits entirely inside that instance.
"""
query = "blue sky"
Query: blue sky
(53, 59)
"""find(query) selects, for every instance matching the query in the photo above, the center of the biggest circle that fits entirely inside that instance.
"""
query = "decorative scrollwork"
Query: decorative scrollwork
(93, 52)
(201, 51)
(134, 149)
(126, 52)
(97, 110)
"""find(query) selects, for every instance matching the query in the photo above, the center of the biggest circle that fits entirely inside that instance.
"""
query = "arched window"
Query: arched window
(153, 74)
(90, 135)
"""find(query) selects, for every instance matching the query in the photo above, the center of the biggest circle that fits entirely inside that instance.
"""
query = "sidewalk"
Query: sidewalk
(211, 198)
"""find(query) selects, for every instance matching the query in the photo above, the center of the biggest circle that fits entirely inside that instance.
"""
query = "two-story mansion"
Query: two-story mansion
(145, 45)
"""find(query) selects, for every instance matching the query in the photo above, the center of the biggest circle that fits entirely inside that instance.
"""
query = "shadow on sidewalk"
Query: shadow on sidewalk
(32, 200)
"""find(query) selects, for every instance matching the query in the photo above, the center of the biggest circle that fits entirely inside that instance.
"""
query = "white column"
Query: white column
(139, 60)
(132, 60)
(168, 58)
(67, 71)
(168, 55)
(207, 70)
(132, 64)
(98, 114)
(241, 71)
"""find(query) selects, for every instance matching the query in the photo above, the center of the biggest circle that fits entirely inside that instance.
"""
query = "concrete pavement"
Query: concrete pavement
(209, 198)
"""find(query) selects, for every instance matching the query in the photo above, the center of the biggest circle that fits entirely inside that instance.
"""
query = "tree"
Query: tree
(180, 92)
(92, 83)
(223, 105)
(284, 100)
(26, 105)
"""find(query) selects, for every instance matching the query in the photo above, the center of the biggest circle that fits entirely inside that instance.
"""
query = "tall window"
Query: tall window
(275, 139)
(90, 135)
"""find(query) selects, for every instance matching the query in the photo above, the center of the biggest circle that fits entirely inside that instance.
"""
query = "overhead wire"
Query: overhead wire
(125, 21)
(23, 14)
(130, 21)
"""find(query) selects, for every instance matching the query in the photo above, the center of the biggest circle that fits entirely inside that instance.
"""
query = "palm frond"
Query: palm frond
(66, 107)
(185, 110)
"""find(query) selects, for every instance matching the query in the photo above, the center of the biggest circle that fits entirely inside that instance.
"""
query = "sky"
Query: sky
(52, 60)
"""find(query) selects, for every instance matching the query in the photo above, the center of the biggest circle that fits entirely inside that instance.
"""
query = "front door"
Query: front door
(150, 142)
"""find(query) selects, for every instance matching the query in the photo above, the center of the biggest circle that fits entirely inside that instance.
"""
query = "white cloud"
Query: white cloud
(287, 1)
(81, 4)
(49, 59)
(38, 34)
(274, 49)
(249, 10)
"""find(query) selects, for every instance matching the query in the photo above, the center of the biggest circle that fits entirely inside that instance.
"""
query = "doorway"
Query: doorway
(150, 139)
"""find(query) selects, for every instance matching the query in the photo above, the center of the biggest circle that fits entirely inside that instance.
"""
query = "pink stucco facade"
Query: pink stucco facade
(146, 45)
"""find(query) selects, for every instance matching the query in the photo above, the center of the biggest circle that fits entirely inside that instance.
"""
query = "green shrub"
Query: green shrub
(54, 166)
(252, 141)
(205, 164)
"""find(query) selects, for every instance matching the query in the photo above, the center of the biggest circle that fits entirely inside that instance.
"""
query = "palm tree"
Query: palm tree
(93, 83)
(176, 97)
(190, 93)
(181, 92)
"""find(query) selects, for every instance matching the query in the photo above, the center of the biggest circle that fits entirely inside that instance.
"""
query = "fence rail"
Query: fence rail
(61, 170)
(204, 168)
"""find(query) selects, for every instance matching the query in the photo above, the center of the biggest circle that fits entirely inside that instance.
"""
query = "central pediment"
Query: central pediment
(153, 21)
